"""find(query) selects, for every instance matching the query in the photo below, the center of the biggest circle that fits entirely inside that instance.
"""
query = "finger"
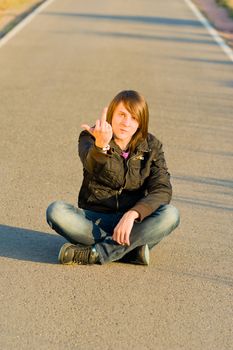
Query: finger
(122, 238)
(88, 128)
(127, 241)
(97, 124)
(116, 236)
(104, 115)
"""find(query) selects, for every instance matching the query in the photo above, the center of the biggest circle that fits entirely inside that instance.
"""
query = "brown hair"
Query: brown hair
(137, 106)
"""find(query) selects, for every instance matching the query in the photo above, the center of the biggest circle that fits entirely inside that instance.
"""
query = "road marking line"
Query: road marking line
(24, 22)
(228, 51)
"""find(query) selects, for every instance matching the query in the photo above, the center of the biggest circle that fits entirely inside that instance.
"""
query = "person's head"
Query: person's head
(129, 116)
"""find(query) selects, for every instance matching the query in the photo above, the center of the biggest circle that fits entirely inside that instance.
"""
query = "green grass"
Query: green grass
(10, 4)
(228, 4)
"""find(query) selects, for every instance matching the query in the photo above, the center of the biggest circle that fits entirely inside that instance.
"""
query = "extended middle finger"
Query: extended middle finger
(104, 116)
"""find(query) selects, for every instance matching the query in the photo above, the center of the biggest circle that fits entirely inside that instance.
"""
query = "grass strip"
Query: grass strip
(31, 5)
(13, 4)
(228, 4)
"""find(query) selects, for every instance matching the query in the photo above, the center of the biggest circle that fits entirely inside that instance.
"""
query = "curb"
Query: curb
(6, 28)
(219, 17)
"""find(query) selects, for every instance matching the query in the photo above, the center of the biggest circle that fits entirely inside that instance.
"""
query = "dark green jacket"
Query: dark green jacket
(112, 184)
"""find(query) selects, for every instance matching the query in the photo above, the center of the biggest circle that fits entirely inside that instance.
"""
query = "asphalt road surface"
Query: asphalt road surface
(59, 72)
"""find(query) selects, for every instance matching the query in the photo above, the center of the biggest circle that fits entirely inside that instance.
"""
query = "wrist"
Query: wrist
(134, 214)
(104, 148)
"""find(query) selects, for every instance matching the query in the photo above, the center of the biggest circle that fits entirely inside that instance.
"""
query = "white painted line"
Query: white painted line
(24, 22)
(228, 51)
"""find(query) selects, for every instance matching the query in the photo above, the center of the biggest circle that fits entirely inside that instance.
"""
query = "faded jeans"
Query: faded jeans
(87, 227)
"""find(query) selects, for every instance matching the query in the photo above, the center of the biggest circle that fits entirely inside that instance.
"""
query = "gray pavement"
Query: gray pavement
(59, 72)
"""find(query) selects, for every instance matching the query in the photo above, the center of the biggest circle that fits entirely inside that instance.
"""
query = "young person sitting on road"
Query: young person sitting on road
(123, 206)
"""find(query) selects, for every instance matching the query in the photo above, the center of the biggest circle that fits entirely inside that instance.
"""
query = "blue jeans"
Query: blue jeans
(95, 228)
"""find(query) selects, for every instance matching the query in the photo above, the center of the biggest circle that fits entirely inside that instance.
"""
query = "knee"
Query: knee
(172, 215)
(53, 211)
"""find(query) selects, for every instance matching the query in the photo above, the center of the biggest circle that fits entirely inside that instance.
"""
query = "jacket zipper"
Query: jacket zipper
(117, 197)
(118, 192)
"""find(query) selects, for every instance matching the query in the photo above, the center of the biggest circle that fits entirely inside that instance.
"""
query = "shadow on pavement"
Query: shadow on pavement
(228, 83)
(23, 244)
(217, 153)
(206, 180)
(139, 19)
(145, 20)
(201, 203)
(216, 187)
(152, 37)
(204, 60)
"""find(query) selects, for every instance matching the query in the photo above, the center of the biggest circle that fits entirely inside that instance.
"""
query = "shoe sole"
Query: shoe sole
(62, 252)
(145, 255)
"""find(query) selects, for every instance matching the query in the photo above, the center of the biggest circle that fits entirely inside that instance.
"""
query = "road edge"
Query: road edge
(211, 30)
(20, 21)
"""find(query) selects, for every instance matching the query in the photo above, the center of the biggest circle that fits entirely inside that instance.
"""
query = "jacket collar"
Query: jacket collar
(141, 147)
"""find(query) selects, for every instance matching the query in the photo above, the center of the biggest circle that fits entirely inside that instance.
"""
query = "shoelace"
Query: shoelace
(81, 255)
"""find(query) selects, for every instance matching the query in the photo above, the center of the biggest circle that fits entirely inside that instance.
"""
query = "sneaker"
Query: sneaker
(139, 256)
(71, 254)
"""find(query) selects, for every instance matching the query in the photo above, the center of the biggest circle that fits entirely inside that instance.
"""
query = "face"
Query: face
(124, 125)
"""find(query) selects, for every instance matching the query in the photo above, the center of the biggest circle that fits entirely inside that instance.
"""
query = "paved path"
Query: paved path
(60, 71)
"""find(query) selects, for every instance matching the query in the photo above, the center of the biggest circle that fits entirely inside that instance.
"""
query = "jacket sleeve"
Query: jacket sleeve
(158, 187)
(91, 156)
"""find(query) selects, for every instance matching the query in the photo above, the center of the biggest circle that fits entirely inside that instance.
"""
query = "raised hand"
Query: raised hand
(102, 131)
